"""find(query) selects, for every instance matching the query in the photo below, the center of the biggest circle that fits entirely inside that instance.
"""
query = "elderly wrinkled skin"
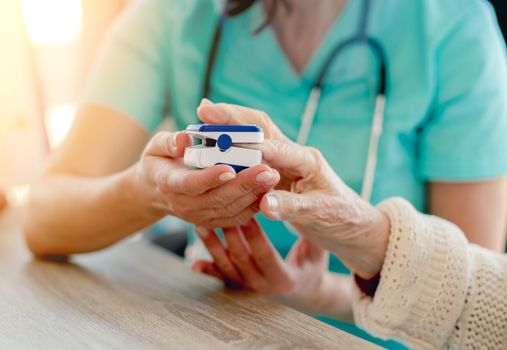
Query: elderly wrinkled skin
(310, 196)
(324, 208)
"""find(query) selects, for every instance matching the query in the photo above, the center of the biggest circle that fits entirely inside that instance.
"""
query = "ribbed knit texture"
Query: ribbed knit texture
(436, 290)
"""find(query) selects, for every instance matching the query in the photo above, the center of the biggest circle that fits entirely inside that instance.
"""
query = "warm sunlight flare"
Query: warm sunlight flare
(52, 22)
(59, 119)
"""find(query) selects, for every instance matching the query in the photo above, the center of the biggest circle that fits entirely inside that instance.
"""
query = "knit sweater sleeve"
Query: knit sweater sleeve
(436, 290)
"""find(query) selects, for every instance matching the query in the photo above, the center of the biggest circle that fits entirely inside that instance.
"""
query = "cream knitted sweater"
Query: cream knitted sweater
(436, 290)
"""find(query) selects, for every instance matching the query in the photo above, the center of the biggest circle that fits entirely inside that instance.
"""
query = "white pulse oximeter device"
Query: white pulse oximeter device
(220, 146)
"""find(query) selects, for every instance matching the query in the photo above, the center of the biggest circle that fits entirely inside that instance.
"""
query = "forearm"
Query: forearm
(332, 298)
(336, 297)
(69, 214)
(478, 208)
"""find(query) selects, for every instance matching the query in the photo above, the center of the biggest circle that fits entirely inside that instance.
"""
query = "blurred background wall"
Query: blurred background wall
(46, 49)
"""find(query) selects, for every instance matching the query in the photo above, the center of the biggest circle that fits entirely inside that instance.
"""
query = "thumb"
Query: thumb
(293, 207)
(168, 144)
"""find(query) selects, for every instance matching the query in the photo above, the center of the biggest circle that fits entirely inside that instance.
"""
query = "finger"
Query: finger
(168, 144)
(194, 182)
(234, 221)
(314, 252)
(304, 251)
(260, 178)
(234, 214)
(290, 157)
(225, 202)
(229, 114)
(208, 268)
(240, 255)
(219, 254)
(265, 255)
(212, 270)
(294, 207)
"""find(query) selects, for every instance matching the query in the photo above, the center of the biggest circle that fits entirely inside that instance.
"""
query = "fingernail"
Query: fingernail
(206, 101)
(272, 203)
(266, 177)
(226, 176)
(202, 232)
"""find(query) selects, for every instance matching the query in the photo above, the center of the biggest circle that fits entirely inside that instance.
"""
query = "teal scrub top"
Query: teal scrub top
(446, 112)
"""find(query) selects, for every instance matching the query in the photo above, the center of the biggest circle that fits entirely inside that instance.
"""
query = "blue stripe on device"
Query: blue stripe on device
(223, 128)
(237, 168)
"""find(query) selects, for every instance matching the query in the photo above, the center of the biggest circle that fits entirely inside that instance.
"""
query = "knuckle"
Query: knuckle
(161, 140)
(264, 258)
(245, 187)
(162, 182)
(179, 209)
(315, 155)
(227, 269)
(314, 152)
(217, 201)
(229, 210)
(264, 118)
(240, 259)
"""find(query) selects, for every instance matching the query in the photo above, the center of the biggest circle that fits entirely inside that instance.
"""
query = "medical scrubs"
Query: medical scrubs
(446, 114)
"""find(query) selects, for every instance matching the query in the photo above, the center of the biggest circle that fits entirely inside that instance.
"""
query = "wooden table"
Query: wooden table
(136, 296)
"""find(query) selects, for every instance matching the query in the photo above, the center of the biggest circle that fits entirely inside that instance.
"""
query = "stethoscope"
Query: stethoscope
(308, 115)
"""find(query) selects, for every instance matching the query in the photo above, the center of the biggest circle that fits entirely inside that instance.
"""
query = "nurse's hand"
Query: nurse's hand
(212, 197)
(248, 260)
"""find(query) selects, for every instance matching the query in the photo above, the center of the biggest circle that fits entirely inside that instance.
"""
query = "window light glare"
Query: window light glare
(52, 22)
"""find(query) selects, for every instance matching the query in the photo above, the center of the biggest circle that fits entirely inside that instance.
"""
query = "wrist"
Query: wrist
(335, 297)
(144, 198)
(365, 254)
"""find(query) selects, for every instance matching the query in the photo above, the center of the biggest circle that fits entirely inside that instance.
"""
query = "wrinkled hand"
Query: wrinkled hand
(313, 199)
(212, 197)
(248, 260)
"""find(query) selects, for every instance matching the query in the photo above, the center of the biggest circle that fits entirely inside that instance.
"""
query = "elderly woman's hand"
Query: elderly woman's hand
(246, 259)
(314, 199)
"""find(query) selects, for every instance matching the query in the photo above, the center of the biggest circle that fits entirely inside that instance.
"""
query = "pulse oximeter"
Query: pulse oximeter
(221, 144)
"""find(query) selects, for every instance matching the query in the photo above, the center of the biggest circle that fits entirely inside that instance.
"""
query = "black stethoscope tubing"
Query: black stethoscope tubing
(361, 37)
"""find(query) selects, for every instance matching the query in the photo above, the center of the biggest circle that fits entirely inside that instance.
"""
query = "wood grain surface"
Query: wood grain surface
(136, 296)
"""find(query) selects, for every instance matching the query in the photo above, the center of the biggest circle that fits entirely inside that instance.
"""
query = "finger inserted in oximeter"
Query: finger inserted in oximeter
(220, 146)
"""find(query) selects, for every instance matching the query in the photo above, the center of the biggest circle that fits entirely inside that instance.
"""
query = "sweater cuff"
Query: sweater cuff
(423, 280)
